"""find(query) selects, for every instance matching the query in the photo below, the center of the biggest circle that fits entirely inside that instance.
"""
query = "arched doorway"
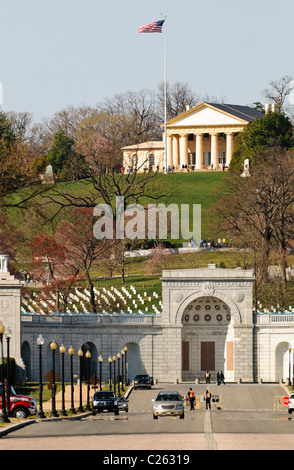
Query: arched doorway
(207, 338)
(26, 357)
(135, 364)
(93, 360)
(282, 361)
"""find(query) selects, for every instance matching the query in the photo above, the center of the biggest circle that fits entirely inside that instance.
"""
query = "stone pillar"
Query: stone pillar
(169, 151)
(199, 151)
(4, 263)
(214, 150)
(176, 154)
(10, 311)
(184, 149)
(229, 148)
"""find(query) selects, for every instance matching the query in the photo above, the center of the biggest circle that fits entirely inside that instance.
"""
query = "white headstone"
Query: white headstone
(246, 168)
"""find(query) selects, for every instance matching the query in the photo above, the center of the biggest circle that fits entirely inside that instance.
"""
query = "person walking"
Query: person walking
(191, 396)
(207, 397)
(222, 377)
(218, 377)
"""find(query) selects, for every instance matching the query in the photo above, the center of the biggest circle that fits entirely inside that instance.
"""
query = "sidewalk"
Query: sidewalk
(47, 406)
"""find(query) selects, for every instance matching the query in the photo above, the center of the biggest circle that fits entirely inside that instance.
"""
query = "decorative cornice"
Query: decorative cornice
(205, 129)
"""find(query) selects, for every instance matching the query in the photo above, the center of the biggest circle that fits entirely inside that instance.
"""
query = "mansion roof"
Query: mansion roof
(243, 112)
(215, 113)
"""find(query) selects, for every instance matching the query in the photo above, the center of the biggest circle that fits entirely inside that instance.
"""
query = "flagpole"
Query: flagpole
(165, 100)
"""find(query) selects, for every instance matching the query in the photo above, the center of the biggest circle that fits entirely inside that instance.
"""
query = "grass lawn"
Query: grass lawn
(181, 188)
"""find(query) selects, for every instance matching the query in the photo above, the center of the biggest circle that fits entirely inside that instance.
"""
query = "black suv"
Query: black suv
(142, 381)
(105, 401)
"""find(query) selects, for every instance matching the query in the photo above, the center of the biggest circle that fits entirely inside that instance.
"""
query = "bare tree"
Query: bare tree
(262, 206)
(279, 90)
(179, 97)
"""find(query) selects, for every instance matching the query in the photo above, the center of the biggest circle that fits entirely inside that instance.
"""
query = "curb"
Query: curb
(16, 426)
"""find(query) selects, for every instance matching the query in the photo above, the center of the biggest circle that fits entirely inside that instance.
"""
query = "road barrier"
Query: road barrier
(279, 403)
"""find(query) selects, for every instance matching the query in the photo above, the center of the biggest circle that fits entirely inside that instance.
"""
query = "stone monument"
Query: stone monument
(10, 311)
(48, 177)
(246, 168)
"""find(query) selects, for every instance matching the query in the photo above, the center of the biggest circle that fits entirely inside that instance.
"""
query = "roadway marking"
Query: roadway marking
(211, 442)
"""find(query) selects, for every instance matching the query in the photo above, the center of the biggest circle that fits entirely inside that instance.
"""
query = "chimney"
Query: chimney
(274, 108)
(187, 107)
(267, 108)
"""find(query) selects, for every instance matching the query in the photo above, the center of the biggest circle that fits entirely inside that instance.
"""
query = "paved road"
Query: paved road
(247, 420)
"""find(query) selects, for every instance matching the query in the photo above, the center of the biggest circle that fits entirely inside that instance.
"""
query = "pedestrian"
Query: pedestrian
(222, 377)
(218, 377)
(191, 396)
(207, 397)
(207, 377)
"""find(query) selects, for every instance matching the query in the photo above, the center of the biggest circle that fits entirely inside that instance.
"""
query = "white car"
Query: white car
(291, 404)
(168, 404)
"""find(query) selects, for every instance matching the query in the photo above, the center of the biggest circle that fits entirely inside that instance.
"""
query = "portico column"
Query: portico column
(229, 148)
(184, 149)
(169, 151)
(176, 155)
(214, 150)
(199, 151)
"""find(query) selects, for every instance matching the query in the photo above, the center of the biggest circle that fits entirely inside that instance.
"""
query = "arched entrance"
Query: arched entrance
(282, 361)
(26, 357)
(93, 360)
(207, 338)
(135, 364)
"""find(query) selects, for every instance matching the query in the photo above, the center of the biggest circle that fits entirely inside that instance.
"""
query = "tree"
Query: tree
(80, 246)
(271, 131)
(61, 153)
(279, 90)
(261, 206)
(179, 96)
(49, 263)
(129, 118)
(159, 259)
(11, 239)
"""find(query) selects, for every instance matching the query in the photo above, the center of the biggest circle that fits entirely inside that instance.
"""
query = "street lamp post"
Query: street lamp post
(80, 354)
(62, 351)
(53, 347)
(292, 369)
(126, 366)
(88, 356)
(8, 335)
(122, 369)
(118, 374)
(100, 359)
(110, 361)
(114, 380)
(40, 342)
(3, 417)
(71, 353)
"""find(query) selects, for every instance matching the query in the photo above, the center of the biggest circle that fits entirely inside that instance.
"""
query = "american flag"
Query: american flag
(155, 27)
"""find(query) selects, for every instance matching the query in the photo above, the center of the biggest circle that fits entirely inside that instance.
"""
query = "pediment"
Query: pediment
(205, 115)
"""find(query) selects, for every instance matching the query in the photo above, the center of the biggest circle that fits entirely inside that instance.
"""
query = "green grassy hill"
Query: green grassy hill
(196, 188)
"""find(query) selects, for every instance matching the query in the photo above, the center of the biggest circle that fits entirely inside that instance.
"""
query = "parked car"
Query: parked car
(291, 404)
(105, 401)
(21, 406)
(168, 404)
(123, 404)
(142, 381)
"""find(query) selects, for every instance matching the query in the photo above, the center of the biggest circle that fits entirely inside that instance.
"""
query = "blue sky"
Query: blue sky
(73, 52)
